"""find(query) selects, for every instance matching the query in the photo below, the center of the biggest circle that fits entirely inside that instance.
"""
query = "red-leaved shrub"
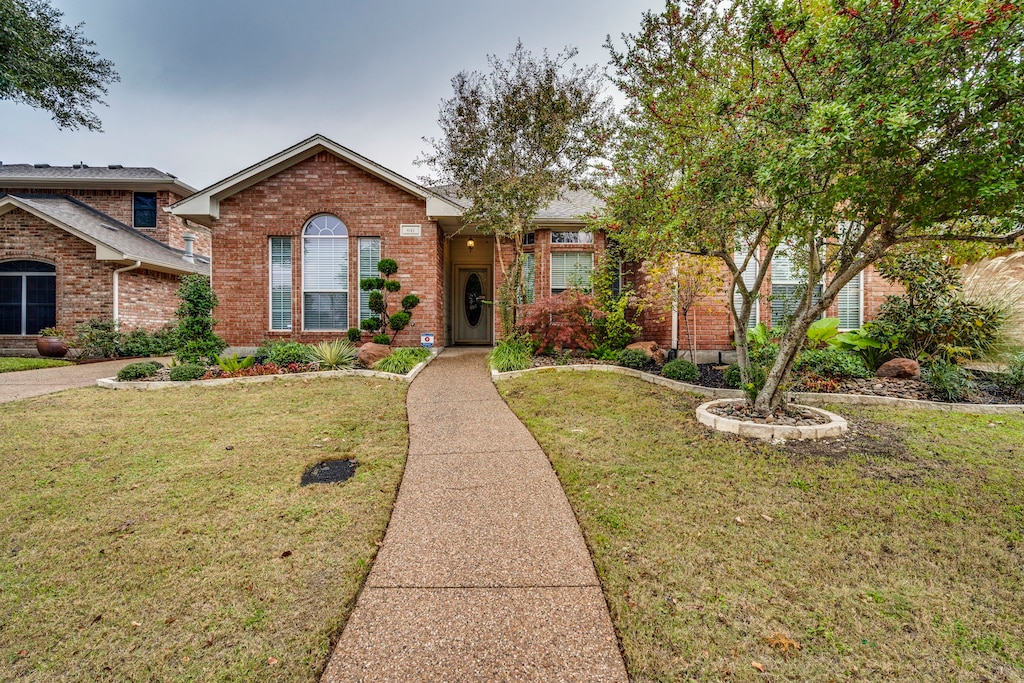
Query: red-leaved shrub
(562, 321)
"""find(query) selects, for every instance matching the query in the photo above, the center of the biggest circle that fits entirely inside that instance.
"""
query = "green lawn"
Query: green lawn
(13, 364)
(164, 536)
(895, 554)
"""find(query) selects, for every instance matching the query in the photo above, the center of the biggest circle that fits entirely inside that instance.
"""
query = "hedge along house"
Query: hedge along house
(90, 242)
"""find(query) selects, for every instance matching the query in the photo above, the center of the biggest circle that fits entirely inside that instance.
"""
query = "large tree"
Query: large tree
(515, 139)
(837, 130)
(50, 66)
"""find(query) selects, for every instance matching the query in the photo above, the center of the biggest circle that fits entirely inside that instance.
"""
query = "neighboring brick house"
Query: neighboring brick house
(82, 242)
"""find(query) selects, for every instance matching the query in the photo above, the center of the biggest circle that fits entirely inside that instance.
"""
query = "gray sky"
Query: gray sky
(209, 87)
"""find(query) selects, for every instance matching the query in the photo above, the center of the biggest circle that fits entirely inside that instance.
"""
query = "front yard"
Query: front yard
(15, 364)
(896, 553)
(164, 535)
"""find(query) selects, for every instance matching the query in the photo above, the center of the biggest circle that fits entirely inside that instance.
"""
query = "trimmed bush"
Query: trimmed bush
(831, 363)
(633, 358)
(401, 361)
(948, 381)
(187, 372)
(354, 335)
(382, 339)
(137, 371)
(680, 369)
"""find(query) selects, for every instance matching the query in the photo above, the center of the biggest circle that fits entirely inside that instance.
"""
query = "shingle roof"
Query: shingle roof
(99, 228)
(569, 207)
(66, 176)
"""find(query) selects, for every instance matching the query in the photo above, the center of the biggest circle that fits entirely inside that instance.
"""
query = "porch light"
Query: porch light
(470, 243)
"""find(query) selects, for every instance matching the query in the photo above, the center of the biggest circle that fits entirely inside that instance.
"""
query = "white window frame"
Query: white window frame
(581, 236)
(551, 270)
(291, 288)
(348, 274)
(359, 275)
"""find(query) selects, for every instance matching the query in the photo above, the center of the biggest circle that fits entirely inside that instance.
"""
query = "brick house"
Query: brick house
(82, 242)
(286, 242)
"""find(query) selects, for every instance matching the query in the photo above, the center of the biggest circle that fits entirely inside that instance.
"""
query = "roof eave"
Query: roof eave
(28, 183)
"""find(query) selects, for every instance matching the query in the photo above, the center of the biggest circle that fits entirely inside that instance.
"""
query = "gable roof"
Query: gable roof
(204, 206)
(114, 176)
(567, 209)
(114, 241)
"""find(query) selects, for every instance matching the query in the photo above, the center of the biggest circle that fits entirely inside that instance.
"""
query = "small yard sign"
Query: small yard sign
(427, 340)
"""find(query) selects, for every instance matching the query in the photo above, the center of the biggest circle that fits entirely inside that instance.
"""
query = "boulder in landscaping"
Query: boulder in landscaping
(651, 349)
(370, 353)
(901, 368)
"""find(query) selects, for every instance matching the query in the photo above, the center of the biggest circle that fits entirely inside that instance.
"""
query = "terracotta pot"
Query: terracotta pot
(51, 347)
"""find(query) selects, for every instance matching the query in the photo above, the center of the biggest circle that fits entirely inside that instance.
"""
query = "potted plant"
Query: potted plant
(51, 343)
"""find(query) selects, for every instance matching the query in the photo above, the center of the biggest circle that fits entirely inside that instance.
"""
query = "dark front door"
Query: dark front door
(473, 318)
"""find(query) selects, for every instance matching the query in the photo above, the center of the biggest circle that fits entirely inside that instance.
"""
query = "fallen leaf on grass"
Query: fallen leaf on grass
(741, 521)
(766, 518)
(136, 624)
(783, 643)
(22, 653)
(272, 661)
(758, 665)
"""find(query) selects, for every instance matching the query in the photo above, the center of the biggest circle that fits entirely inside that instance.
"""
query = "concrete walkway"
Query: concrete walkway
(15, 386)
(483, 574)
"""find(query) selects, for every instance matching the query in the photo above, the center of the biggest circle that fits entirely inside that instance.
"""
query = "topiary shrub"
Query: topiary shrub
(379, 288)
(354, 335)
(633, 358)
(680, 369)
(948, 381)
(382, 339)
(187, 372)
(831, 363)
(137, 371)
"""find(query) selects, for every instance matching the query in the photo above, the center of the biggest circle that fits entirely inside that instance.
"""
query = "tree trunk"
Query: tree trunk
(772, 394)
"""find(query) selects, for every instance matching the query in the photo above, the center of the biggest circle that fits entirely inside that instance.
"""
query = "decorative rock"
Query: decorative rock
(902, 368)
(370, 353)
(651, 349)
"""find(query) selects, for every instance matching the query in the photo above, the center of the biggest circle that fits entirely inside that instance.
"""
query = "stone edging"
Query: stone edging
(807, 399)
(837, 426)
(112, 383)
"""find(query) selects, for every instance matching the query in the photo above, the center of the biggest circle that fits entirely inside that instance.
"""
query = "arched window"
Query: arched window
(28, 296)
(325, 274)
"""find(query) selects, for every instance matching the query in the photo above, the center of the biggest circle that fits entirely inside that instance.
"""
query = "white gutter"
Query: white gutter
(116, 289)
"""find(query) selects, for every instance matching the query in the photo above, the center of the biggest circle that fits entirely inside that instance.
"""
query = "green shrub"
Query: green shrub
(234, 363)
(680, 369)
(282, 353)
(335, 355)
(734, 380)
(604, 352)
(196, 340)
(633, 358)
(186, 372)
(378, 289)
(382, 339)
(355, 335)
(515, 352)
(136, 371)
(135, 343)
(1013, 379)
(97, 338)
(830, 362)
(401, 361)
(948, 381)
(399, 320)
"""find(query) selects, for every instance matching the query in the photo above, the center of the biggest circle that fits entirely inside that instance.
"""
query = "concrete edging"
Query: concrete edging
(806, 399)
(112, 383)
(837, 426)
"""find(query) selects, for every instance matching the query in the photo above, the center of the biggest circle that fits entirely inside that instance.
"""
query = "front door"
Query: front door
(473, 318)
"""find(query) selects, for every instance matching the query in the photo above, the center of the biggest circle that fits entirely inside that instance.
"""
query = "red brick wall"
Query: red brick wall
(279, 207)
(146, 299)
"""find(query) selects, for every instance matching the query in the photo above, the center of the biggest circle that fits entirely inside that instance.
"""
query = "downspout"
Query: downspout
(116, 288)
(675, 310)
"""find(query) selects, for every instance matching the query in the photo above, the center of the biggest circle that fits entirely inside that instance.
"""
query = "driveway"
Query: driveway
(15, 386)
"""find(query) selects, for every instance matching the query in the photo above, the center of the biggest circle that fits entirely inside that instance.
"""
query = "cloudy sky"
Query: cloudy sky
(209, 87)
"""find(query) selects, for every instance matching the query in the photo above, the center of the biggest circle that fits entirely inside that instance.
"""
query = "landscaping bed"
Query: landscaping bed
(166, 536)
(890, 553)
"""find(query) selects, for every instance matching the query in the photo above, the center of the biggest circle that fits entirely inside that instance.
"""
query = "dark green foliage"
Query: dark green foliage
(135, 343)
(392, 285)
(402, 361)
(1013, 379)
(932, 319)
(634, 358)
(831, 363)
(604, 352)
(615, 324)
(97, 338)
(376, 301)
(948, 381)
(399, 320)
(196, 339)
(409, 302)
(368, 284)
(734, 380)
(382, 339)
(354, 334)
(187, 372)
(514, 352)
(387, 266)
(680, 369)
(137, 371)
(370, 324)
(281, 353)
(50, 66)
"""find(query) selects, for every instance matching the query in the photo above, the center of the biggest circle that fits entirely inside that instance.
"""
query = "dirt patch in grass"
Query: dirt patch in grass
(892, 554)
(164, 535)
(13, 364)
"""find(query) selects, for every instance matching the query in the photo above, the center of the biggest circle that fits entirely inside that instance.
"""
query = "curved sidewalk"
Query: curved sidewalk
(484, 573)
